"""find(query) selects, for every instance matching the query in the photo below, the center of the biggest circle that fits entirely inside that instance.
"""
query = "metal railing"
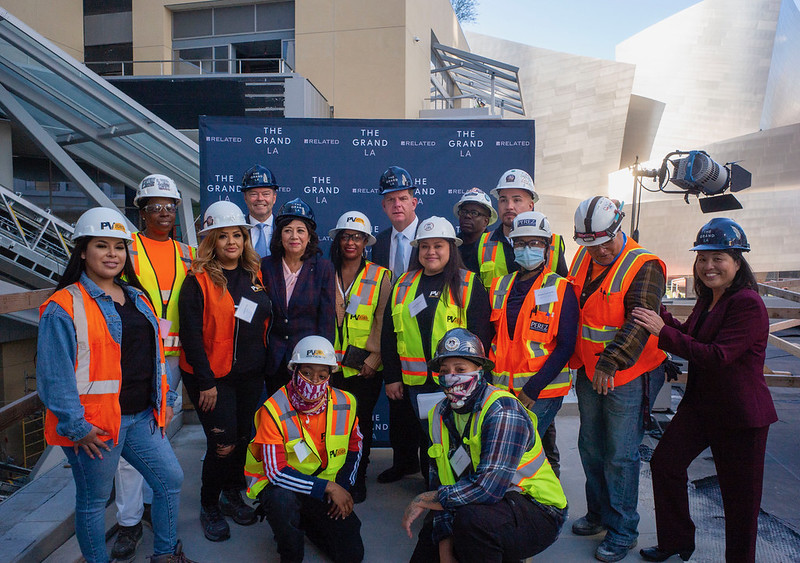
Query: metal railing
(171, 67)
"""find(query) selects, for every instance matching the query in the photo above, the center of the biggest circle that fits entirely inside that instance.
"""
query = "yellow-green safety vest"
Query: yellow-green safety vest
(533, 476)
(492, 257)
(409, 340)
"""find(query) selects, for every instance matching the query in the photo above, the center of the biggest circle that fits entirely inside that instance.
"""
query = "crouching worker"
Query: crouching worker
(304, 459)
(495, 496)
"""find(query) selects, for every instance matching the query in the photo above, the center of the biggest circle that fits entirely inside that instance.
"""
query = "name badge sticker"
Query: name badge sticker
(301, 450)
(417, 305)
(352, 307)
(246, 310)
(164, 325)
(459, 460)
(545, 295)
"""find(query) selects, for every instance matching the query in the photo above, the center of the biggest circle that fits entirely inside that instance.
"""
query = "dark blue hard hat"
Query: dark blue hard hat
(460, 343)
(721, 233)
(259, 177)
(299, 209)
(396, 179)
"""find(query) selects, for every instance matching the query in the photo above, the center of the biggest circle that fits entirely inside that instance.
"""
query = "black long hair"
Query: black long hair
(452, 271)
(77, 265)
(744, 278)
(335, 252)
(276, 246)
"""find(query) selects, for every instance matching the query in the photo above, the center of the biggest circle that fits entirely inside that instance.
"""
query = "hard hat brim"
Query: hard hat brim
(456, 240)
(370, 239)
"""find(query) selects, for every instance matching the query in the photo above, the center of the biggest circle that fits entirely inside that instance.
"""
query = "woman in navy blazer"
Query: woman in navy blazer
(295, 268)
(727, 404)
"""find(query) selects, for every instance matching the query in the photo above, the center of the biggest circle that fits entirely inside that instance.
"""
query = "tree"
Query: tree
(466, 10)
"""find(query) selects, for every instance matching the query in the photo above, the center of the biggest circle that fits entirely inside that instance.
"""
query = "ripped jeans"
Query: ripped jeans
(227, 428)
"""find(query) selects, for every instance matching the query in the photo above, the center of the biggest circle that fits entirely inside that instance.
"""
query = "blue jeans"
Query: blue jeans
(141, 444)
(546, 411)
(608, 441)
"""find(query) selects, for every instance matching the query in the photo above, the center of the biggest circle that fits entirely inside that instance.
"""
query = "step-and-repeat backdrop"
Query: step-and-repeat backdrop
(335, 165)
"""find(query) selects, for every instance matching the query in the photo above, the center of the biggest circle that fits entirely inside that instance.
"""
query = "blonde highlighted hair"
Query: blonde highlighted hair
(206, 260)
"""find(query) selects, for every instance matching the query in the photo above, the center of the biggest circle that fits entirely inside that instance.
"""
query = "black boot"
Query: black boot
(215, 527)
(231, 504)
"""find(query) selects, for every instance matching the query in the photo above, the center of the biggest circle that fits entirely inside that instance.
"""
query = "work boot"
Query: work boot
(359, 490)
(214, 525)
(395, 473)
(175, 557)
(231, 504)
(128, 538)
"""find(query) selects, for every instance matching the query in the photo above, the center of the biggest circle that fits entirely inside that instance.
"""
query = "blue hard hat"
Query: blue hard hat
(299, 209)
(259, 177)
(396, 179)
(721, 233)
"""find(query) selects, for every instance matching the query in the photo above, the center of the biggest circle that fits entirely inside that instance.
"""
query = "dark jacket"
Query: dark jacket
(311, 310)
(381, 250)
(726, 360)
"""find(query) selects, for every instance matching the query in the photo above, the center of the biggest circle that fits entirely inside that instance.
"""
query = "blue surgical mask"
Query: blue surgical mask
(529, 258)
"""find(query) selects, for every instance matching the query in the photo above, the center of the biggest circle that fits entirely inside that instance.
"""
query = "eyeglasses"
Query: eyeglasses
(355, 237)
(589, 237)
(159, 207)
(530, 244)
(471, 213)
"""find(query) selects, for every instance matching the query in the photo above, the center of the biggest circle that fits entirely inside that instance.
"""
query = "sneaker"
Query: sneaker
(176, 557)
(395, 473)
(128, 538)
(585, 527)
(610, 552)
(231, 504)
(215, 528)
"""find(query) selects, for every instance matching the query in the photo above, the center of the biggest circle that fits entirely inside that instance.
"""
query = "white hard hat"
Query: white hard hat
(354, 221)
(157, 185)
(597, 220)
(531, 224)
(223, 214)
(313, 350)
(436, 227)
(101, 222)
(476, 195)
(516, 178)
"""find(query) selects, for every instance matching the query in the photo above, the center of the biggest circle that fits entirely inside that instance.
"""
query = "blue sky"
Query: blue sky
(581, 27)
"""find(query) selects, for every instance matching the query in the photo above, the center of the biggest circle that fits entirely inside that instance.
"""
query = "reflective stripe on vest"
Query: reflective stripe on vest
(555, 251)
(492, 259)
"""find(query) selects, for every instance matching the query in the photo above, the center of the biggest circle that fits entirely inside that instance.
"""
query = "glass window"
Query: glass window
(279, 15)
(95, 7)
(110, 60)
(237, 19)
(194, 23)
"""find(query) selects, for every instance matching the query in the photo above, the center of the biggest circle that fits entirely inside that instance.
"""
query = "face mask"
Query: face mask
(459, 386)
(529, 258)
(307, 397)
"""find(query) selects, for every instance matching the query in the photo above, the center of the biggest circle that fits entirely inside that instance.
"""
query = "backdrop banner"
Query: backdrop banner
(335, 165)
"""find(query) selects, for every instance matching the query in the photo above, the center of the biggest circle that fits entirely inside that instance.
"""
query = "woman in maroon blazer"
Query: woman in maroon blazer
(727, 404)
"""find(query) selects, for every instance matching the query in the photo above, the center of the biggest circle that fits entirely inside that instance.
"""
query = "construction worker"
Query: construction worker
(160, 264)
(260, 190)
(304, 459)
(393, 250)
(435, 295)
(362, 291)
(494, 496)
(535, 317)
(102, 375)
(515, 193)
(225, 318)
(475, 213)
(615, 358)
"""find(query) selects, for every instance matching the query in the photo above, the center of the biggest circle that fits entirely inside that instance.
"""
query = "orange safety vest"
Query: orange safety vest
(517, 360)
(98, 366)
(219, 327)
(603, 314)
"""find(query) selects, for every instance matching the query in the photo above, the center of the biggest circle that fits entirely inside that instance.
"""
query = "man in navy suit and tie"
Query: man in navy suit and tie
(260, 190)
(393, 250)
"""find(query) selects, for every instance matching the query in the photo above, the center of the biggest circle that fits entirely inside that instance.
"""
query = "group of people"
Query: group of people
(284, 354)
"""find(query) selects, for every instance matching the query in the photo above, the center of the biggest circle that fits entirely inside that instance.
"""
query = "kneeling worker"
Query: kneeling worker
(304, 459)
(495, 496)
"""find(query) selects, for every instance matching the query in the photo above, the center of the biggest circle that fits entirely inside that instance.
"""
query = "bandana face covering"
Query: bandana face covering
(307, 397)
(458, 387)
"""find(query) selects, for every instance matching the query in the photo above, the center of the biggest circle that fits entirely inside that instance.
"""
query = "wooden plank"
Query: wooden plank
(784, 345)
(765, 289)
(19, 409)
(783, 325)
(13, 302)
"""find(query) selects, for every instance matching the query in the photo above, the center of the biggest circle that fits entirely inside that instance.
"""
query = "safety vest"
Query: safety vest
(519, 359)
(168, 298)
(409, 340)
(492, 258)
(98, 366)
(603, 314)
(355, 330)
(533, 476)
(219, 327)
(340, 416)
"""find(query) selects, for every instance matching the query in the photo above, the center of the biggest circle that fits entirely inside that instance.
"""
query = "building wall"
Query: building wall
(16, 362)
(782, 104)
(61, 22)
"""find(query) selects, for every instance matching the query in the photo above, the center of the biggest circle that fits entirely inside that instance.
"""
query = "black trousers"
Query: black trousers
(292, 515)
(515, 528)
(366, 391)
(229, 424)
(404, 442)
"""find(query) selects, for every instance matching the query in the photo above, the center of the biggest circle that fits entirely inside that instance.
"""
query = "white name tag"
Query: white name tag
(417, 305)
(246, 310)
(352, 307)
(459, 461)
(545, 295)
(301, 450)
(164, 325)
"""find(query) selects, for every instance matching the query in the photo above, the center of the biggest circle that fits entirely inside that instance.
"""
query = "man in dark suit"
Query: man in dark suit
(260, 190)
(393, 250)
